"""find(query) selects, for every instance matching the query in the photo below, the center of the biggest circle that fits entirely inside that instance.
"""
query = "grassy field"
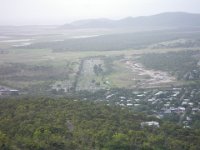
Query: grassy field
(35, 56)
(40, 69)
(57, 68)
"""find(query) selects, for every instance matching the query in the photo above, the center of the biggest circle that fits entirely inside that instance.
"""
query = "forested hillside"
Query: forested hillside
(43, 123)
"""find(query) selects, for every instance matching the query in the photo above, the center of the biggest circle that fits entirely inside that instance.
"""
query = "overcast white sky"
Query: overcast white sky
(27, 12)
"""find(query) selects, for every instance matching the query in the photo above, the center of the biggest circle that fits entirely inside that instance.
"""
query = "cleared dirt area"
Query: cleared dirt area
(90, 75)
(149, 78)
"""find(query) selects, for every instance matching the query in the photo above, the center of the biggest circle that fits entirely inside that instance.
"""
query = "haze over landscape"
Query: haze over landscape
(99, 75)
(57, 12)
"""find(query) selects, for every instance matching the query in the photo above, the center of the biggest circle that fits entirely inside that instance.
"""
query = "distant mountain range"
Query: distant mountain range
(168, 19)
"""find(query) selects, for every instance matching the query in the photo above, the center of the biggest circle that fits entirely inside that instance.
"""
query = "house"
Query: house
(140, 95)
(109, 96)
(150, 124)
(129, 104)
(176, 93)
(128, 100)
(173, 110)
(151, 99)
(122, 97)
(159, 93)
(180, 110)
(168, 111)
(14, 92)
(184, 103)
(191, 104)
(195, 110)
(167, 105)
(7, 91)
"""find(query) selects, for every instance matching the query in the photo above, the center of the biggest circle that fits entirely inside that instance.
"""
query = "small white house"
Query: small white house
(151, 124)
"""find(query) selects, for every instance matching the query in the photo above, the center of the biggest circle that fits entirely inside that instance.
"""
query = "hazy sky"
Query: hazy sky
(26, 12)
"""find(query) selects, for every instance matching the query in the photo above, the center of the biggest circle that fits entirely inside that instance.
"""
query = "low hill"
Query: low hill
(168, 19)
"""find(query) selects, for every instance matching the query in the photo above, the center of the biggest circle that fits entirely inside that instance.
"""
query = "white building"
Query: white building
(151, 124)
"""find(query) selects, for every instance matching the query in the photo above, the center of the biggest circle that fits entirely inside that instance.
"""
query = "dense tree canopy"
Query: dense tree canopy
(43, 123)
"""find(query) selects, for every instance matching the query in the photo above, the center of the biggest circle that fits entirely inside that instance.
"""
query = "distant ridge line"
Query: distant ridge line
(166, 19)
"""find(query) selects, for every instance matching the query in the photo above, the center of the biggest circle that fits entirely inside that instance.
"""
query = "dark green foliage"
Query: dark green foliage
(183, 64)
(43, 123)
(98, 69)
